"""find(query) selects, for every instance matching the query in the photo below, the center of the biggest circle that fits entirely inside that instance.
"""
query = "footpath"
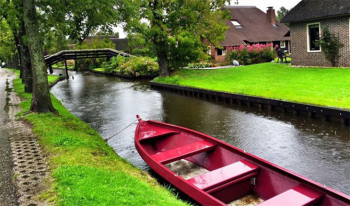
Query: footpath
(23, 168)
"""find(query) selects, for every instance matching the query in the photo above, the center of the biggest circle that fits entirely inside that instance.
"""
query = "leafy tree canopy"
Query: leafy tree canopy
(77, 18)
(174, 28)
(281, 13)
(7, 44)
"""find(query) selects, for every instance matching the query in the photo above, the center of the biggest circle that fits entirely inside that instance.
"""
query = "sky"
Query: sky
(261, 4)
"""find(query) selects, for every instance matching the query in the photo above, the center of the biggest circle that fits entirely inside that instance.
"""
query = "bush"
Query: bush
(134, 66)
(251, 54)
(200, 65)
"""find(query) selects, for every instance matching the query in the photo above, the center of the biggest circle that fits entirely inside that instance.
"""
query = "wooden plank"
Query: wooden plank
(183, 152)
(298, 196)
(225, 174)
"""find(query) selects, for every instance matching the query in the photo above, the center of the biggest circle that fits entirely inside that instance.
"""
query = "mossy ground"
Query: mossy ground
(85, 169)
(319, 86)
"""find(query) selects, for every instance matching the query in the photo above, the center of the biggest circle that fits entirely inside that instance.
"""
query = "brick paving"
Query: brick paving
(25, 174)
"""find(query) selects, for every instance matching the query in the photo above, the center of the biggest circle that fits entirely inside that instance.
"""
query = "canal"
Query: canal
(310, 147)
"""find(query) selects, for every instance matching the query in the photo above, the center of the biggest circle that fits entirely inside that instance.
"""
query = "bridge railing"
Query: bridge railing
(83, 54)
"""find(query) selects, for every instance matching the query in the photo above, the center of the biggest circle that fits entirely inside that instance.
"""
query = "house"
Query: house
(307, 20)
(249, 25)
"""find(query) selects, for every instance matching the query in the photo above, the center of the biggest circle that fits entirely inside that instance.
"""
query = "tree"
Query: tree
(175, 28)
(330, 46)
(7, 42)
(41, 100)
(81, 17)
(12, 12)
(281, 13)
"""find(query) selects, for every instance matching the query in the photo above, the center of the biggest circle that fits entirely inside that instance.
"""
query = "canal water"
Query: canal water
(310, 147)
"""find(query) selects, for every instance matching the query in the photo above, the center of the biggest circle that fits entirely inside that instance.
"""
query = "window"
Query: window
(313, 35)
(283, 44)
(221, 52)
(236, 24)
(209, 50)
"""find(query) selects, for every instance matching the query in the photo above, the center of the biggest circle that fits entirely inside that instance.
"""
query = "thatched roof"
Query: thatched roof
(317, 9)
(256, 27)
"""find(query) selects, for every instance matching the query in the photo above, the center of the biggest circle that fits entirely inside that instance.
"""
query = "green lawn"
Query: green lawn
(85, 169)
(99, 69)
(62, 67)
(320, 86)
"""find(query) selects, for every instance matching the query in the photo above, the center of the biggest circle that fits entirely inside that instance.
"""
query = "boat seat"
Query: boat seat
(183, 151)
(153, 132)
(224, 176)
(297, 196)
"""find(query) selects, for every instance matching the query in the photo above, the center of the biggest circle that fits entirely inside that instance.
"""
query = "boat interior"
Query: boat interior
(226, 173)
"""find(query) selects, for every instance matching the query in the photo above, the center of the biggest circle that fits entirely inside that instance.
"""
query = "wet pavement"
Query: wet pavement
(7, 188)
(311, 147)
(24, 172)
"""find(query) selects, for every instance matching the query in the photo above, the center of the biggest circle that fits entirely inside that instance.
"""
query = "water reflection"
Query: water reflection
(313, 148)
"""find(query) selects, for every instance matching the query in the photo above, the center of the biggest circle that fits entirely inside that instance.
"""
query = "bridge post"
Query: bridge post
(65, 63)
(50, 69)
(108, 58)
(75, 65)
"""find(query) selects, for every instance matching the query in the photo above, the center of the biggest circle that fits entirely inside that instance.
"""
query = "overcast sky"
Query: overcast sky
(261, 4)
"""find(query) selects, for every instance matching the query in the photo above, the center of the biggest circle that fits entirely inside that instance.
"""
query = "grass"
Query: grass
(99, 69)
(319, 86)
(85, 169)
(62, 67)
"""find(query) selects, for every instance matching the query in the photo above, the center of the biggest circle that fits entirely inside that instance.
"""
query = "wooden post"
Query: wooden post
(50, 69)
(65, 63)
(75, 65)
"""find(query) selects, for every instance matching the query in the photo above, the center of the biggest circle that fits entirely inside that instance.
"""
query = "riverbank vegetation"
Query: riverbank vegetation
(133, 66)
(319, 86)
(86, 171)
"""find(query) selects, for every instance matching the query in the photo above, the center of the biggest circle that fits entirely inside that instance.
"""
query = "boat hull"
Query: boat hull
(156, 142)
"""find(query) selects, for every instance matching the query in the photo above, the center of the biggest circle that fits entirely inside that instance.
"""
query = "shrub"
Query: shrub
(134, 66)
(330, 46)
(251, 54)
(199, 65)
(139, 66)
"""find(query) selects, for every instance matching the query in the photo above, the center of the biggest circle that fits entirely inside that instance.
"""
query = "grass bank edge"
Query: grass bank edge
(328, 87)
(84, 167)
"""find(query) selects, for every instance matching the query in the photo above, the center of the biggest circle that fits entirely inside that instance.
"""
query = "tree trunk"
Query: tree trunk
(26, 67)
(41, 100)
(163, 62)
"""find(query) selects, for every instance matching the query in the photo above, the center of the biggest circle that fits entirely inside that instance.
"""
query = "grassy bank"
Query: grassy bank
(85, 170)
(325, 87)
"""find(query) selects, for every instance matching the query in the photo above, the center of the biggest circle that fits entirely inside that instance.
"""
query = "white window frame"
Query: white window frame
(308, 37)
(284, 44)
(209, 50)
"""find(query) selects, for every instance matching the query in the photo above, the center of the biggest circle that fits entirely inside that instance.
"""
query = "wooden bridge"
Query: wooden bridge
(81, 54)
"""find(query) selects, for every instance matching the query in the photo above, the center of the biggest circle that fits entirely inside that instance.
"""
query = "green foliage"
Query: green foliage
(80, 17)
(330, 45)
(176, 26)
(199, 65)
(251, 54)
(7, 42)
(281, 13)
(131, 66)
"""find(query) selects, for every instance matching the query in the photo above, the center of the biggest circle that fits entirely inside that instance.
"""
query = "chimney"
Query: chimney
(271, 15)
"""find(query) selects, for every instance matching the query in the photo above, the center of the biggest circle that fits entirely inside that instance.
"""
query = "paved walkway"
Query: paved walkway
(23, 167)
(7, 188)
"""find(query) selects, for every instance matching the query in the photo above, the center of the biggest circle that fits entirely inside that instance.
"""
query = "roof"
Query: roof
(121, 44)
(317, 9)
(256, 27)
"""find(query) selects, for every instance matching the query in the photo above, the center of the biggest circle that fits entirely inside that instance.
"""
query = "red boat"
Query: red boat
(213, 172)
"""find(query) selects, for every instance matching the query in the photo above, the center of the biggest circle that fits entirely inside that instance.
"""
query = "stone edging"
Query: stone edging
(326, 113)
